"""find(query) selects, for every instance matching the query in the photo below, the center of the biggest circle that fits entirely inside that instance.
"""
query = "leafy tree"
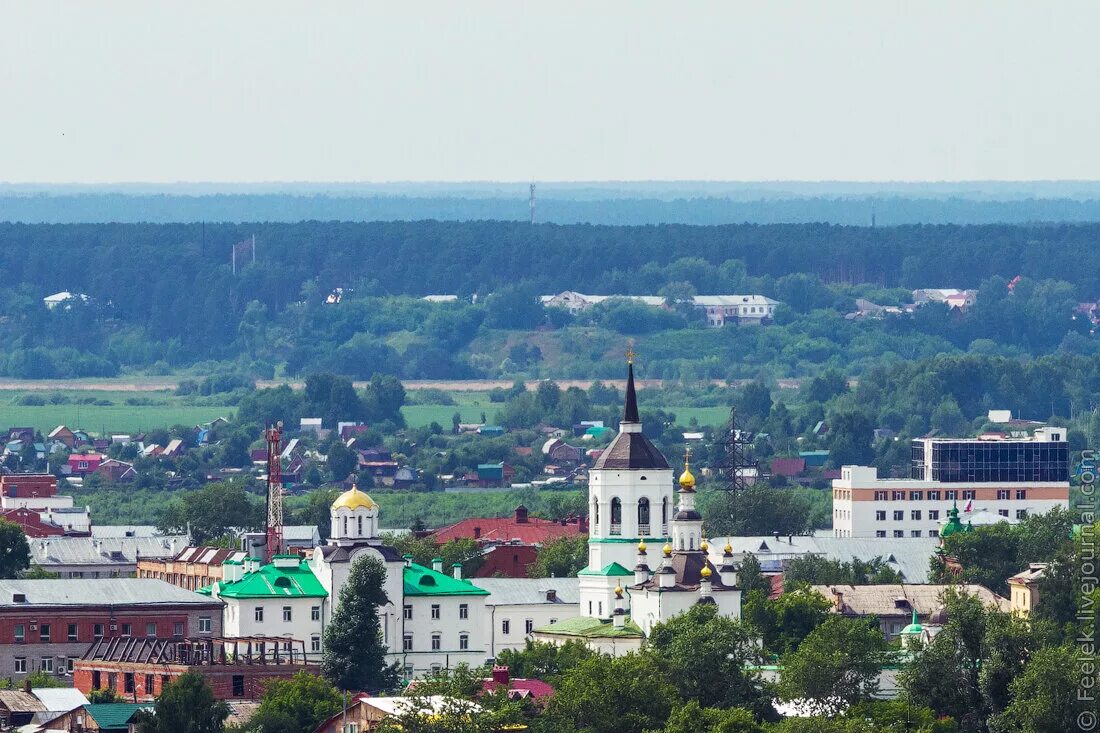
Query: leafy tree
(341, 460)
(354, 655)
(836, 665)
(15, 553)
(850, 433)
(318, 510)
(1046, 696)
(755, 401)
(691, 718)
(786, 621)
(560, 558)
(749, 577)
(544, 661)
(383, 399)
(103, 696)
(514, 306)
(758, 510)
(817, 570)
(611, 695)
(212, 511)
(186, 705)
(296, 705)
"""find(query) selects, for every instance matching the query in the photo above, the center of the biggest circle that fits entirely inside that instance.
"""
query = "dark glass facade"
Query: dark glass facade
(983, 461)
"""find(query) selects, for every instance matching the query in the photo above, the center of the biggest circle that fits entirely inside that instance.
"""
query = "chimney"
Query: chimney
(551, 595)
(408, 560)
(521, 514)
(437, 564)
(27, 685)
(457, 568)
(477, 533)
(500, 674)
(838, 599)
(776, 536)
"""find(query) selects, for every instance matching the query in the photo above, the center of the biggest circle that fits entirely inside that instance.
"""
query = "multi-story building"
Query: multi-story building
(37, 492)
(1010, 478)
(45, 625)
(516, 607)
(717, 309)
(193, 568)
(101, 557)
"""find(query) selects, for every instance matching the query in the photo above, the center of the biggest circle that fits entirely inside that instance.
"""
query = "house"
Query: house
(559, 451)
(116, 472)
(82, 464)
(38, 493)
(518, 688)
(62, 434)
(114, 717)
(100, 557)
(405, 477)
(64, 298)
(174, 449)
(894, 605)
(24, 434)
(814, 458)
(365, 713)
(517, 606)
(1024, 588)
(310, 425)
(31, 522)
(519, 526)
(507, 560)
(788, 467)
(193, 567)
(291, 449)
(494, 474)
(953, 298)
(19, 707)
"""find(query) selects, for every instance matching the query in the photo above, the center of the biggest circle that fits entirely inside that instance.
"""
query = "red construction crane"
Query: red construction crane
(274, 436)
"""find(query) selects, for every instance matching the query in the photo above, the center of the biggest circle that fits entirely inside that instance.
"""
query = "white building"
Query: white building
(719, 309)
(516, 607)
(1010, 478)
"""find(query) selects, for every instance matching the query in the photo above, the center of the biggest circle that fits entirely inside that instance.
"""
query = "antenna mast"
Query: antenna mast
(736, 463)
(531, 203)
(274, 436)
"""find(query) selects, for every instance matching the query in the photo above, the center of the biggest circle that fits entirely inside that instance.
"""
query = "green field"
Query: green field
(104, 419)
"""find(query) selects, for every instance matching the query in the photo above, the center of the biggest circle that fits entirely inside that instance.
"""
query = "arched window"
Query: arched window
(595, 514)
(359, 520)
(616, 516)
(643, 515)
(345, 526)
(664, 511)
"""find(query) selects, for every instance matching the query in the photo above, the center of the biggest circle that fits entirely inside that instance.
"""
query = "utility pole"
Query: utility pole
(531, 203)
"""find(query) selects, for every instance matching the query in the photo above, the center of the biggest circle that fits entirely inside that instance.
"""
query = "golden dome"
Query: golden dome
(728, 548)
(704, 546)
(668, 550)
(687, 479)
(641, 547)
(619, 590)
(705, 572)
(353, 498)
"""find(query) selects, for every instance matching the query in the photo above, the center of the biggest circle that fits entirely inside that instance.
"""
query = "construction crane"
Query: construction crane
(274, 436)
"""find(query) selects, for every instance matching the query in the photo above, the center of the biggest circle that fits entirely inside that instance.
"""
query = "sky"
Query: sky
(554, 90)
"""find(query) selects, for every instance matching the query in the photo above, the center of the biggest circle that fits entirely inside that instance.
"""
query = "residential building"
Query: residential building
(82, 464)
(717, 309)
(63, 435)
(520, 526)
(111, 717)
(101, 557)
(192, 568)
(38, 493)
(365, 713)
(1006, 477)
(45, 625)
(507, 560)
(1023, 589)
(895, 605)
(516, 607)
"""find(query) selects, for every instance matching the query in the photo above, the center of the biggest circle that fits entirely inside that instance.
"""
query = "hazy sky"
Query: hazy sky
(511, 90)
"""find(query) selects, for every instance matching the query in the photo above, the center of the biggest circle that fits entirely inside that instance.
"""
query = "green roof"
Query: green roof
(422, 581)
(588, 628)
(273, 582)
(614, 569)
(115, 715)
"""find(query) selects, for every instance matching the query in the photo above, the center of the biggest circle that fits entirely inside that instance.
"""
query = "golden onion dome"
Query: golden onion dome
(728, 549)
(687, 479)
(619, 590)
(353, 498)
(668, 550)
(705, 572)
(704, 546)
(641, 547)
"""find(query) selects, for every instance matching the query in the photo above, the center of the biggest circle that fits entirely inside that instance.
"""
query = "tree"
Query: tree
(836, 665)
(817, 570)
(612, 695)
(560, 558)
(295, 705)
(786, 621)
(757, 510)
(383, 399)
(15, 553)
(691, 718)
(354, 655)
(212, 511)
(1046, 696)
(544, 661)
(186, 705)
(341, 460)
(318, 510)
(749, 577)
(755, 401)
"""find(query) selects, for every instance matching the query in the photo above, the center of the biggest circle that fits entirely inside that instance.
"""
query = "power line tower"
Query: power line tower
(274, 437)
(736, 463)
(531, 203)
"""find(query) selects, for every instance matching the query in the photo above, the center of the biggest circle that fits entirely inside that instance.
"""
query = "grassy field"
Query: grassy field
(118, 416)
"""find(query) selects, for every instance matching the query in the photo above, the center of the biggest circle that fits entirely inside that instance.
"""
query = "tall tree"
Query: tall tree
(295, 705)
(354, 655)
(15, 553)
(186, 705)
(836, 666)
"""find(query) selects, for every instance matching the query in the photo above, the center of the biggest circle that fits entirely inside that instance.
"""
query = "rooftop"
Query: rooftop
(587, 627)
(95, 592)
(102, 550)
(901, 600)
(273, 581)
(422, 581)
(529, 591)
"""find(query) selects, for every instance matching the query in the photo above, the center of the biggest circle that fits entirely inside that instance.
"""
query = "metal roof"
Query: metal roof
(529, 591)
(60, 699)
(907, 555)
(52, 551)
(96, 592)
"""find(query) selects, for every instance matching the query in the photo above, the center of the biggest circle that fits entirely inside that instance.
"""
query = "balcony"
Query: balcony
(643, 529)
(616, 528)
(664, 529)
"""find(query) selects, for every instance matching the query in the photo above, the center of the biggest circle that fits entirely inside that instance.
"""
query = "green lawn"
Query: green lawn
(104, 419)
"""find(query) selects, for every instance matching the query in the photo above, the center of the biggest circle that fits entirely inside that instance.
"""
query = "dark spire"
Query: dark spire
(630, 414)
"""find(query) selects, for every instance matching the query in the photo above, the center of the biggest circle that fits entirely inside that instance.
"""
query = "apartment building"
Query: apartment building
(1010, 478)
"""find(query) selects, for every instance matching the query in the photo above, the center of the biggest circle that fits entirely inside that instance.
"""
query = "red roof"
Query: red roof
(529, 530)
(788, 466)
(521, 688)
(31, 523)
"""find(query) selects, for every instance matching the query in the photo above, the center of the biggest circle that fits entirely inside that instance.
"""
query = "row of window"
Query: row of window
(898, 533)
(45, 631)
(437, 612)
(288, 613)
(45, 664)
(947, 494)
(437, 642)
(934, 514)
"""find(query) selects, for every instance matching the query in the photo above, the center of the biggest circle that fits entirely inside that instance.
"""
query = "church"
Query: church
(631, 489)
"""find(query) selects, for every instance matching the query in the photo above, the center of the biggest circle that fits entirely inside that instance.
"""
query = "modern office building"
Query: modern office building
(1010, 478)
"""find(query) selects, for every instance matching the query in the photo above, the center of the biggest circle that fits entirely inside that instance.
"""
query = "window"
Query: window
(150, 683)
(881, 495)
(528, 626)
(915, 533)
(127, 629)
(553, 621)
(916, 495)
(880, 516)
(21, 665)
(616, 516)
(259, 613)
(205, 625)
(436, 668)
(880, 533)
(898, 496)
(505, 626)
(933, 514)
(44, 633)
(951, 494)
(1021, 493)
(69, 664)
(151, 629)
(968, 493)
(315, 643)
(238, 685)
(47, 665)
(315, 613)
(933, 495)
(288, 615)
(97, 631)
(407, 643)
(1021, 513)
(463, 610)
(408, 613)
(1002, 512)
(915, 515)
(463, 642)
(72, 635)
(20, 633)
(1002, 493)
(899, 533)
(590, 608)
(899, 515)
(933, 533)
(177, 629)
(435, 611)
(437, 642)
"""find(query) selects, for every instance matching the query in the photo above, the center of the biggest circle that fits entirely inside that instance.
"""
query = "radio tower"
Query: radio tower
(531, 203)
(736, 462)
(274, 436)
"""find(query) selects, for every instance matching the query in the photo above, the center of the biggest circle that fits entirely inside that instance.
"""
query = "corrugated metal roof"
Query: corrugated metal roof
(898, 600)
(908, 555)
(60, 699)
(528, 591)
(95, 592)
(103, 531)
(99, 550)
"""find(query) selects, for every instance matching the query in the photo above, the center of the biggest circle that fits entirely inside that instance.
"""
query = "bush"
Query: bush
(32, 400)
